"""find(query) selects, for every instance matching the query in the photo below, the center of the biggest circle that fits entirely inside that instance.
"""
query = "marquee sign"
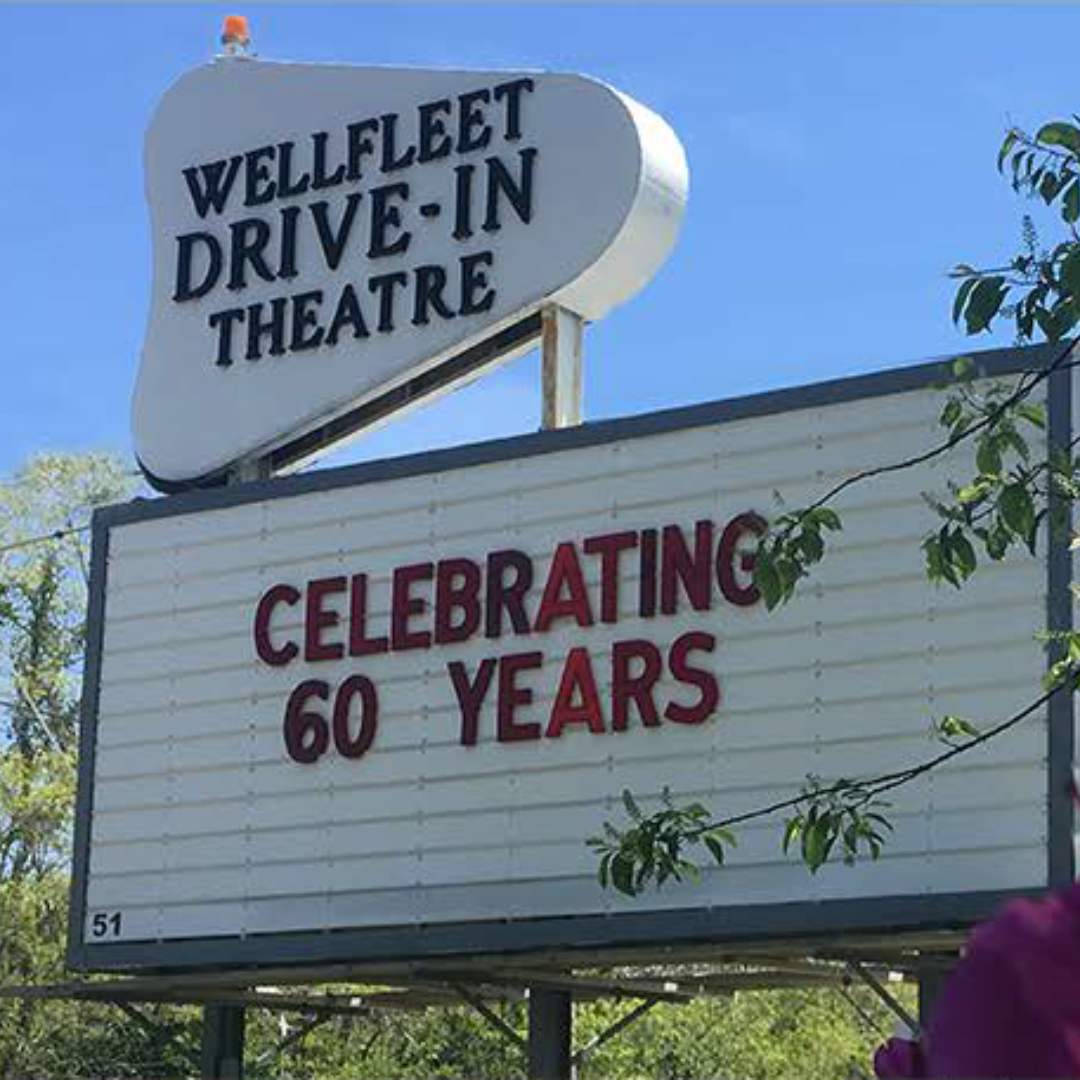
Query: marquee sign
(324, 235)
(376, 711)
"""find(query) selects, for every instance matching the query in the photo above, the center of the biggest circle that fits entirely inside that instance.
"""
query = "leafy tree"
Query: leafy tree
(43, 566)
(1011, 494)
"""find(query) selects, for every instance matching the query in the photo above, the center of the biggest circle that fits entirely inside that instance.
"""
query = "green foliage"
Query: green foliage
(844, 811)
(43, 586)
(795, 542)
(768, 1035)
(952, 730)
(43, 594)
(997, 509)
(653, 847)
(1042, 287)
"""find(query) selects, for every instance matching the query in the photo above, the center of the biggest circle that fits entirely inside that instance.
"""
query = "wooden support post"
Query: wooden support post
(550, 1032)
(223, 1042)
(560, 349)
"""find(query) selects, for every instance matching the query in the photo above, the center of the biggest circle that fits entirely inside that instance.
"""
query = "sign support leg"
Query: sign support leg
(550, 1032)
(551, 1011)
(932, 978)
(561, 359)
(223, 1042)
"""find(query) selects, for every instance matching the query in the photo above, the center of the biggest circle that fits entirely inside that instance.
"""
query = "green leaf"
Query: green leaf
(632, 807)
(1048, 187)
(988, 457)
(716, 848)
(828, 519)
(1070, 271)
(985, 302)
(605, 863)
(1014, 439)
(811, 545)
(791, 831)
(622, 874)
(952, 412)
(973, 493)
(1017, 509)
(964, 554)
(724, 834)
(767, 579)
(1047, 323)
(962, 295)
(1072, 644)
(1034, 412)
(956, 727)
(997, 543)
(935, 560)
(1060, 133)
(816, 842)
(1070, 205)
(1006, 146)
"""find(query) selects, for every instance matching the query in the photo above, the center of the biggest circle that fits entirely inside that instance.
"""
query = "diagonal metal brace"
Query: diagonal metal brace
(491, 1016)
(887, 999)
(610, 1032)
(293, 1037)
(159, 1031)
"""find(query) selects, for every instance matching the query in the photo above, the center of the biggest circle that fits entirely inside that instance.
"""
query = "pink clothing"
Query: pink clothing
(899, 1058)
(1011, 1008)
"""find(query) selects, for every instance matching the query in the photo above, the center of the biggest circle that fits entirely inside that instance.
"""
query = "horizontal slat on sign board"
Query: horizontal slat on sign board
(1007, 822)
(446, 762)
(851, 602)
(959, 787)
(690, 477)
(182, 671)
(825, 720)
(531, 898)
(246, 581)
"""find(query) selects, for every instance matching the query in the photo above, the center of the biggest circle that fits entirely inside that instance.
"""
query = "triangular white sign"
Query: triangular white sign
(323, 234)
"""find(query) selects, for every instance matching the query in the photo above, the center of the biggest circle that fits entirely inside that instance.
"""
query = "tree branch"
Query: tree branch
(887, 781)
(991, 418)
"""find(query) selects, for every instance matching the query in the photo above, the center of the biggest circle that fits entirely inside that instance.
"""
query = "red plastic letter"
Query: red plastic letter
(316, 619)
(565, 570)
(511, 696)
(404, 606)
(636, 688)
(577, 681)
(735, 530)
(470, 695)
(705, 681)
(276, 594)
(463, 597)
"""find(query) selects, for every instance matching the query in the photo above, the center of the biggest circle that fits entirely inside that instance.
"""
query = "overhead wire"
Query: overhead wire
(56, 534)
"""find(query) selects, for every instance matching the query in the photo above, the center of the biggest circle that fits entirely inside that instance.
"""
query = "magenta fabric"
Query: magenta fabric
(899, 1058)
(1011, 1007)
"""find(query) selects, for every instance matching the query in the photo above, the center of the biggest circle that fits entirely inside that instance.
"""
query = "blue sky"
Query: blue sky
(841, 157)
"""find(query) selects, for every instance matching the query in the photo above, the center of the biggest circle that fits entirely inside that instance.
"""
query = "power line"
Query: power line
(56, 534)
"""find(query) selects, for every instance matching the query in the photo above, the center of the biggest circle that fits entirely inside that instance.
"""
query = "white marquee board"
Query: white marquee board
(325, 234)
(196, 825)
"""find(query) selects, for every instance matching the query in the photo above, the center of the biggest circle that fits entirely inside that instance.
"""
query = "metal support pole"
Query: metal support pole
(550, 1032)
(932, 978)
(223, 1042)
(560, 350)
(550, 1049)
